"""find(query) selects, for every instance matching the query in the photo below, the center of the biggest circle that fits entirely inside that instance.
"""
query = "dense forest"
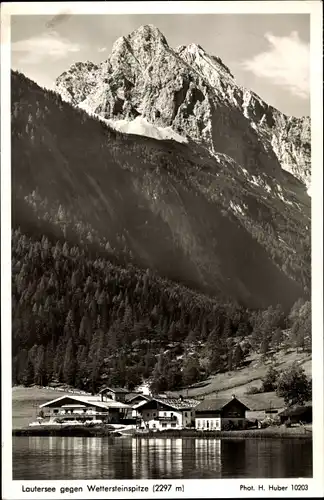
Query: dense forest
(84, 321)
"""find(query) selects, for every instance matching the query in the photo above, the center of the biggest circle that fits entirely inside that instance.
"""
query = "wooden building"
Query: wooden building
(263, 406)
(220, 413)
(114, 394)
(83, 409)
(297, 414)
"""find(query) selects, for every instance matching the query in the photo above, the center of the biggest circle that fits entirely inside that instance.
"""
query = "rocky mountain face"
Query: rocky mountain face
(196, 95)
(196, 217)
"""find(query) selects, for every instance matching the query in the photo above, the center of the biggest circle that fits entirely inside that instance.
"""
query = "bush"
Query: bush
(253, 390)
(294, 386)
(269, 382)
(288, 423)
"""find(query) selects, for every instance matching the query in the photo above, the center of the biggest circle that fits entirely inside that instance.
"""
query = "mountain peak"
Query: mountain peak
(140, 46)
(194, 47)
(195, 54)
(148, 32)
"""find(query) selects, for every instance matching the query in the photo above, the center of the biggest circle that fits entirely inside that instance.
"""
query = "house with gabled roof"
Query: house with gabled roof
(136, 397)
(166, 413)
(83, 409)
(263, 406)
(114, 394)
(220, 413)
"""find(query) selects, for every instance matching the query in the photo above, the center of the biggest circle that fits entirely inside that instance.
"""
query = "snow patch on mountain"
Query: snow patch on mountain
(140, 126)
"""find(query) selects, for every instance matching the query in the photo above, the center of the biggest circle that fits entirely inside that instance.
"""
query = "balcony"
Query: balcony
(75, 413)
(171, 418)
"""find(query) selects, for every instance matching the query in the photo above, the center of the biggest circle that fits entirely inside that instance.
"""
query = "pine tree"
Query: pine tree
(40, 375)
(191, 370)
(238, 356)
(269, 382)
(69, 365)
(27, 377)
(277, 338)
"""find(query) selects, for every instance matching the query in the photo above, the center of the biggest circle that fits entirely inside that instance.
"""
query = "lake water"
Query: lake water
(46, 458)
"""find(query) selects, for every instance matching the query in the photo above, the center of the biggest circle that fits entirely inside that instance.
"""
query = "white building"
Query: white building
(220, 413)
(167, 413)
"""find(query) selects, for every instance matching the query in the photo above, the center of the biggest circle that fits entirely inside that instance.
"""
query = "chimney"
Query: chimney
(233, 396)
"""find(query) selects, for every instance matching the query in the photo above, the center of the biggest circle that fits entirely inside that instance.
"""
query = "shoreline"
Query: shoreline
(102, 431)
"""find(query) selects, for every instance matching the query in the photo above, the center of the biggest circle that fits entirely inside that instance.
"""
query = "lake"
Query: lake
(46, 458)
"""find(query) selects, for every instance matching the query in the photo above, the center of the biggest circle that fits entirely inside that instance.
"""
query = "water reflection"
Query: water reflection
(142, 458)
(208, 456)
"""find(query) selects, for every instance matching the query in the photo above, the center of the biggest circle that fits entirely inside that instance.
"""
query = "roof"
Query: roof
(131, 395)
(263, 401)
(138, 405)
(216, 404)
(118, 390)
(90, 400)
(178, 403)
(134, 396)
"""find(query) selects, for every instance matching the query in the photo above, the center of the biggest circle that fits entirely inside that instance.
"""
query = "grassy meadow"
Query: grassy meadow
(239, 381)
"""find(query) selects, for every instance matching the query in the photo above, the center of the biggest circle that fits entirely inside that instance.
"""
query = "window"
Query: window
(186, 414)
(173, 425)
(55, 411)
(164, 425)
(154, 426)
(233, 414)
(198, 423)
(154, 414)
(211, 424)
(165, 414)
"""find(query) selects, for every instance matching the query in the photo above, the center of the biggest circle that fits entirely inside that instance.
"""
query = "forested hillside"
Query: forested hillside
(84, 321)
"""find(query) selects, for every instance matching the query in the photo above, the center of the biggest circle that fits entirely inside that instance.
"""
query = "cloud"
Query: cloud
(285, 63)
(47, 45)
(58, 19)
(102, 49)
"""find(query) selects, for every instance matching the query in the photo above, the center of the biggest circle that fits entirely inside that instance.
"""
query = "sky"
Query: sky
(267, 53)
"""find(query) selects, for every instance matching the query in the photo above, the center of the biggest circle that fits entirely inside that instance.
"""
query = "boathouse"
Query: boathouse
(220, 414)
